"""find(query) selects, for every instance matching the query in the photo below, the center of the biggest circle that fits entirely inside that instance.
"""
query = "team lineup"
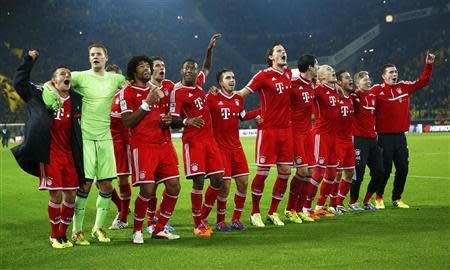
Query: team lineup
(94, 126)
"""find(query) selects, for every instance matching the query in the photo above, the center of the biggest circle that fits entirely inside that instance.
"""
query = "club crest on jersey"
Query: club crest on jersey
(262, 160)
(49, 181)
(236, 101)
(142, 175)
(399, 90)
(321, 160)
(166, 93)
(194, 167)
(298, 160)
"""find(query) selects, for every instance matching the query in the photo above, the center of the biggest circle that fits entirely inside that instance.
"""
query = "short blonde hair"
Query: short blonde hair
(359, 75)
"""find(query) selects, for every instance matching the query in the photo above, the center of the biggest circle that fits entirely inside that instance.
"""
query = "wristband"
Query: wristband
(145, 106)
(184, 121)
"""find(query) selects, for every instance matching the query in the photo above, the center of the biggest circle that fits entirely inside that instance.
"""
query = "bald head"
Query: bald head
(326, 74)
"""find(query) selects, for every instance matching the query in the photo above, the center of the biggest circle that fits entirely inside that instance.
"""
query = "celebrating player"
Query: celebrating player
(52, 148)
(98, 88)
(345, 151)
(227, 108)
(301, 111)
(326, 112)
(154, 158)
(158, 79)
(201, 154)
(274, 138)
(122, 154)
(366, 147)
(392, 121)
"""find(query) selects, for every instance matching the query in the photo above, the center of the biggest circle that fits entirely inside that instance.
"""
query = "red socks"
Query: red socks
(278, 191)
(257, 189)
(196, 203)
(239, 201)
(140, 207)
(54, 213)
(210, 198)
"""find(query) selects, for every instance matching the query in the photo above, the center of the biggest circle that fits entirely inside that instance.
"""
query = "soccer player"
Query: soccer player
(326, 112)
(367, 150)
(98, 88)
(301, 111)
(52, 148)
(274, 144)
(345, 151)
(158, 79)
(5, 136)
(392, 121)
(201, 154)
(227, 108)
(154, 158)
(122, 155)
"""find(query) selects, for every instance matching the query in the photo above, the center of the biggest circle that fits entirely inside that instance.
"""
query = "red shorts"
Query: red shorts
(345, 152)
(202, 157)
(154, 163)
(60, 174)
(122, 153)
(325, 151)
(235, 164)
(274, 146)
(303, 150)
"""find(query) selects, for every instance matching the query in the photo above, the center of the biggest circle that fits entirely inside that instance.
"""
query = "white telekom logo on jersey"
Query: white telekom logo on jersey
(280, 87)
(306, 97)
(225, 113)
(344, 110)
(198, 103)
(332, 100)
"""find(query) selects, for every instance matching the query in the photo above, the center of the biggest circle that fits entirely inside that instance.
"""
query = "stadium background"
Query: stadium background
(354, 35)
(348, 34)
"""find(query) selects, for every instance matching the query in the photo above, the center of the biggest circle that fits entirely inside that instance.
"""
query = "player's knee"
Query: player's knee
(173, 187)
(123, 180)
(56, 196)
(70, 195)
(105, 187)
(216, 181)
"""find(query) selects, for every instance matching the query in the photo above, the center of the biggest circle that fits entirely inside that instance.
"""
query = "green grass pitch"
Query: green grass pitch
(416, 238)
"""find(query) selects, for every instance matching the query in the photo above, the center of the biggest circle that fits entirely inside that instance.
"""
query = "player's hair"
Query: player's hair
(113, 68)
(133, 63)
(269, 52)
(98, 45)
(154, 58)
(189, 60)
(305, 61)
(383, 69)
(359, 75)
(58, 67)
(339, 74)
(219, 76)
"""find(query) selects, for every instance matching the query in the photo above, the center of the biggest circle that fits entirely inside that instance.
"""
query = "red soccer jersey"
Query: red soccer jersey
(301, 105)
(148, 130)
(61, 130)
(118, 131)
(164, 104)
(274, 89)
(225, 114)
(326, 110)
(364, 118)
(189, 102)
(392, 106)
(345, 120)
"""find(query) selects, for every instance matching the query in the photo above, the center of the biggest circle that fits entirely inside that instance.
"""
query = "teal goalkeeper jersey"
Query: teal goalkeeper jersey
(98, 93)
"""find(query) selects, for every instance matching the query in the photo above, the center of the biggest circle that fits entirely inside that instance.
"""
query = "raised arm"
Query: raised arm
(207, 63)
(22, 75)
(425, 76)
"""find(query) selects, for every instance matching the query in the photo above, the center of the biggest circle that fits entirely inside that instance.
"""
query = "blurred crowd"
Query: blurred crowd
(176, 30)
